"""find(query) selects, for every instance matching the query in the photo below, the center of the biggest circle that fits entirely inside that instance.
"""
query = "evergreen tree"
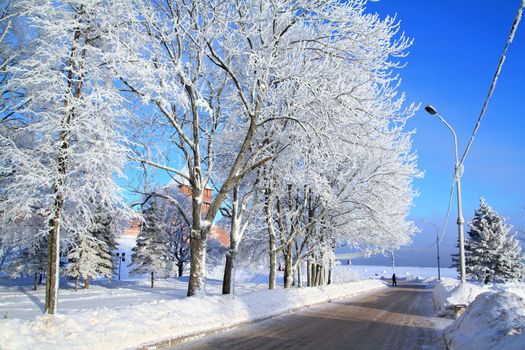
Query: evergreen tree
(102, 232)
(492, 253)
(88, 259)
(152, 253)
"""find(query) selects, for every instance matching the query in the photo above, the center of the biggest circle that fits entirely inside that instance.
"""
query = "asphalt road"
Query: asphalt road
(393, 318)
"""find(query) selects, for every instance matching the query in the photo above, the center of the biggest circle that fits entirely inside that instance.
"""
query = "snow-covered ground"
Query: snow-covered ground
(19, 301)
(110, 309)
(494, 318)
(147, 323)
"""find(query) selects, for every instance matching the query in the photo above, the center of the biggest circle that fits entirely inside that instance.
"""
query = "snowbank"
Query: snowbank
(494, 317)
(494, 320)
(149, 323)
(450, 292)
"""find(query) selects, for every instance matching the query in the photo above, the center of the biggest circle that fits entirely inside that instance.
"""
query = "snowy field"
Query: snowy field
(19, 301)
(403, 272)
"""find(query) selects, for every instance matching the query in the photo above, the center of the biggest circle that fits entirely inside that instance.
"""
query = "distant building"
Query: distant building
(216, 231)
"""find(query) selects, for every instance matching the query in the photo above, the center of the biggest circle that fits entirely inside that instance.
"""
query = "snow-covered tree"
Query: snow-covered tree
(91, 253)
(103, 230)
(71, 146)
(89, 258)
(152, 253)
(32, 260)
(492, 252)
(179, 238)
(247, 69)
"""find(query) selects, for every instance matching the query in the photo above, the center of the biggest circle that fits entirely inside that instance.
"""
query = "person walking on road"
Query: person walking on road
(394, 280)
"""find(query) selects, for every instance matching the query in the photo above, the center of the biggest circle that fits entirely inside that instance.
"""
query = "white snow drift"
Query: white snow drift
(494, 318)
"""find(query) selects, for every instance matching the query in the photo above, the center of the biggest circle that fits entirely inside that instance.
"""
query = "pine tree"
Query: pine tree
(492, 253)
(152, 253)
(87, 259)
(102, 231)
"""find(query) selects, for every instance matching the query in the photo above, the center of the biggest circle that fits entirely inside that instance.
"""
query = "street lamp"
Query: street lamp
(457, 178)
(437, 245)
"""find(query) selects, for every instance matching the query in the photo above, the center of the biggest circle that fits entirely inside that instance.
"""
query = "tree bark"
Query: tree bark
(317, 275)
(330, 270)
(314, 274)
(228, 280)
(308, 273)
(271, 239)
(198, 265)
(198, 232)
(299, 277)
(288, 268)
(35, 281)
(53, 256)
(86, 282)
(152, 278)
(181, 268)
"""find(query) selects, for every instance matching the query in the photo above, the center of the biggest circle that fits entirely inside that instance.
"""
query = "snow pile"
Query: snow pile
(451, 292)
(152, 322)
(494, 320)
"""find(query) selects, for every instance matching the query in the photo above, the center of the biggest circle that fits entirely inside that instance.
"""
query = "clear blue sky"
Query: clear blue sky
(457, 45)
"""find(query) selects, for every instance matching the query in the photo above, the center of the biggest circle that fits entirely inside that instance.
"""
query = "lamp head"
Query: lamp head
(430, 110)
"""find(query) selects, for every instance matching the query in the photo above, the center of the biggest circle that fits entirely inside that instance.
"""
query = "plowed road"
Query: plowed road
(392, 318)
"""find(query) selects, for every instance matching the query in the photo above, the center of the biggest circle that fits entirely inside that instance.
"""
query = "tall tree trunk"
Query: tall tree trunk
(152, 278)
(288, 267)
(181, 268)
(308, 273)
(271, 239)
(330, 271)
(299, 277)
(86, 282)
(199, 233)
(317, 275)
(35, 285)
(52, 277)
(228, 280)
(53, 255)
(198, 265)
(40, 276)
(273, 265)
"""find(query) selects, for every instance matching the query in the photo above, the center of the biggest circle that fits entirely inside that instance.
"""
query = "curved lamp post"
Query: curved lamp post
(457, 178)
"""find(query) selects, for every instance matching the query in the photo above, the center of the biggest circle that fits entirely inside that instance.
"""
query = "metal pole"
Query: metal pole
(393, 263)
(463, 274)
(457, 179)
(437, 245)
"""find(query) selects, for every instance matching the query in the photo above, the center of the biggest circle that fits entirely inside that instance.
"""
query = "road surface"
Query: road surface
(393, 318)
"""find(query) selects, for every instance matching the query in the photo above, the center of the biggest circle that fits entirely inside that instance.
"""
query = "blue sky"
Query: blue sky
(457, 45)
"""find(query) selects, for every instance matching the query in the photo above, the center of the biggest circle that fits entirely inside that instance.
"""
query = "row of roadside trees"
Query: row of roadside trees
(287, 110)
